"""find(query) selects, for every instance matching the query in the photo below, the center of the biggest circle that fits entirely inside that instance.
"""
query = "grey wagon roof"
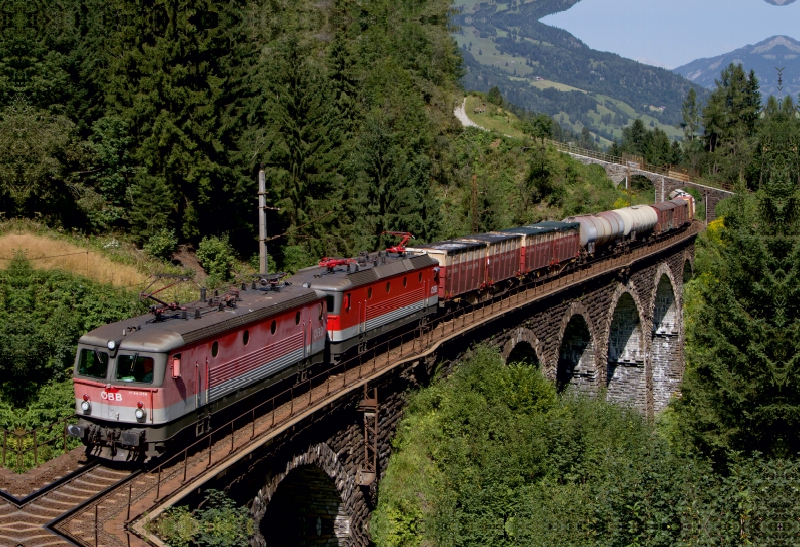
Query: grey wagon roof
(143, 333)
(341, 279)
(544, 227)
(451, 246)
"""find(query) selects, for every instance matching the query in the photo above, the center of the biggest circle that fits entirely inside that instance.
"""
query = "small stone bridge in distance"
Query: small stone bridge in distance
(663, 180)
(308, 462)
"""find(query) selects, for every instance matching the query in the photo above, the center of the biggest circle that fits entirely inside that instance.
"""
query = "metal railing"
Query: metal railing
(222, 444)
(640, 165)
(18, 446)
(325, 386)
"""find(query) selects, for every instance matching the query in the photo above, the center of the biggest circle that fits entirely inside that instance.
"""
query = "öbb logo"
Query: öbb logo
(111, 396)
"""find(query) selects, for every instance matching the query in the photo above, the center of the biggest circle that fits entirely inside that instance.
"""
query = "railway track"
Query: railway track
(26, 522)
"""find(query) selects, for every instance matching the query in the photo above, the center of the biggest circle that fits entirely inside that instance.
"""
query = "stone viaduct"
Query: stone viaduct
(663, 184)
(614, 331)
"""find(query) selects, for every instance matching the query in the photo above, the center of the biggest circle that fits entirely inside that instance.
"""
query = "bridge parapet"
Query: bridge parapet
(664, 180)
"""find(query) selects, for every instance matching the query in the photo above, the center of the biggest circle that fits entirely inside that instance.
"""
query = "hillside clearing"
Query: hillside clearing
(52, 254)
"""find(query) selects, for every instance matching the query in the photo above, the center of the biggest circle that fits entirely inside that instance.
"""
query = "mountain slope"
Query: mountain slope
(763, 58)
(507, 46)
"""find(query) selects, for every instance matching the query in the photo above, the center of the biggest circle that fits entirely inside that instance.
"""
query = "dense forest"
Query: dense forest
(494, 455)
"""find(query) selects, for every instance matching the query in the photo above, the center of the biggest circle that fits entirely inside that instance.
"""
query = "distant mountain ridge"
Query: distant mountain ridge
(763, 58)
(779, 2)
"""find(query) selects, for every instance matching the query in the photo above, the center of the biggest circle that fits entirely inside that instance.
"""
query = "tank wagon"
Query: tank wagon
(140, 382)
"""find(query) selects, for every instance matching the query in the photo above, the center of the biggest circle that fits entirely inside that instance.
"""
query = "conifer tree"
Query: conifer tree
(742, 386)
(299, 132)
(729, 121)
(168, 78)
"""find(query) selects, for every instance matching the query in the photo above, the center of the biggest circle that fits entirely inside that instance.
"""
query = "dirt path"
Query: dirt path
(461, 114)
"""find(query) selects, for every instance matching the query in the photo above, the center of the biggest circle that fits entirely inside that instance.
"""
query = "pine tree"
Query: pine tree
(394, 165)
(299, 131)
(168, 79)
(729, 121)
(742, 386)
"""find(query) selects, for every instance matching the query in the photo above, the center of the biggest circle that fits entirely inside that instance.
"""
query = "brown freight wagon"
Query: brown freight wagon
(502, 256)
(547, 243)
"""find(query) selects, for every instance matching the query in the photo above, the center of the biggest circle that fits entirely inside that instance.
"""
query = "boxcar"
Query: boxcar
(666, 216)
(461, 266)
(502, 254)
(547, 243)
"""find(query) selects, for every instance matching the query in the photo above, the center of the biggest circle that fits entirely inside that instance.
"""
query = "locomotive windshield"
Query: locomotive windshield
(135, 368)
(93, 362)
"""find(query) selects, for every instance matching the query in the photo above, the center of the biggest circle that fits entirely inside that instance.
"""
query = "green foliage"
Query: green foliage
(652, 145)
(494, 96)
(42, 315)
(217, 258)
(729, 120)
(161, 244)
(222, 523)
(521, 184)
(218, 523)
(492, 456)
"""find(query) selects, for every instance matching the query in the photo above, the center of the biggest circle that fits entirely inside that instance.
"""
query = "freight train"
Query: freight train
(142, 381)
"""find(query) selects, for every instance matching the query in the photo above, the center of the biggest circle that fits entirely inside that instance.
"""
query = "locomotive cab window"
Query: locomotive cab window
(215, 349)
(245, 337)
(135, 368)
(297, 318)
(420, 277)
(93, 362)
(273, 327)
(330, 302)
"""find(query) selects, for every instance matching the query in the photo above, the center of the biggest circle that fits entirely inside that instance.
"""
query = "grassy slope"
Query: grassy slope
(517, 70)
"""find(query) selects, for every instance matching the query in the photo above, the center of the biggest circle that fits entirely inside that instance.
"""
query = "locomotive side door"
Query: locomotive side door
(362, 317)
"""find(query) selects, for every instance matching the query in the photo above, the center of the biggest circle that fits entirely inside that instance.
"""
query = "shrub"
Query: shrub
(217, 258)
(161, 244)
(220, 523)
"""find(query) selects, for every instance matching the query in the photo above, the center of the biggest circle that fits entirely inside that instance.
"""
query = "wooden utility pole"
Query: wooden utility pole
(476, 223)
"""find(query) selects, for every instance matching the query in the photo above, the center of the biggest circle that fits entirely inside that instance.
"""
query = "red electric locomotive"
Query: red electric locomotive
(141, 381)
(372, 294)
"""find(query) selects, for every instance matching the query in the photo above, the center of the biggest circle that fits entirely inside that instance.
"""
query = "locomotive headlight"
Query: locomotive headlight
(111, 345)
(139, 413)
(85, 406)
